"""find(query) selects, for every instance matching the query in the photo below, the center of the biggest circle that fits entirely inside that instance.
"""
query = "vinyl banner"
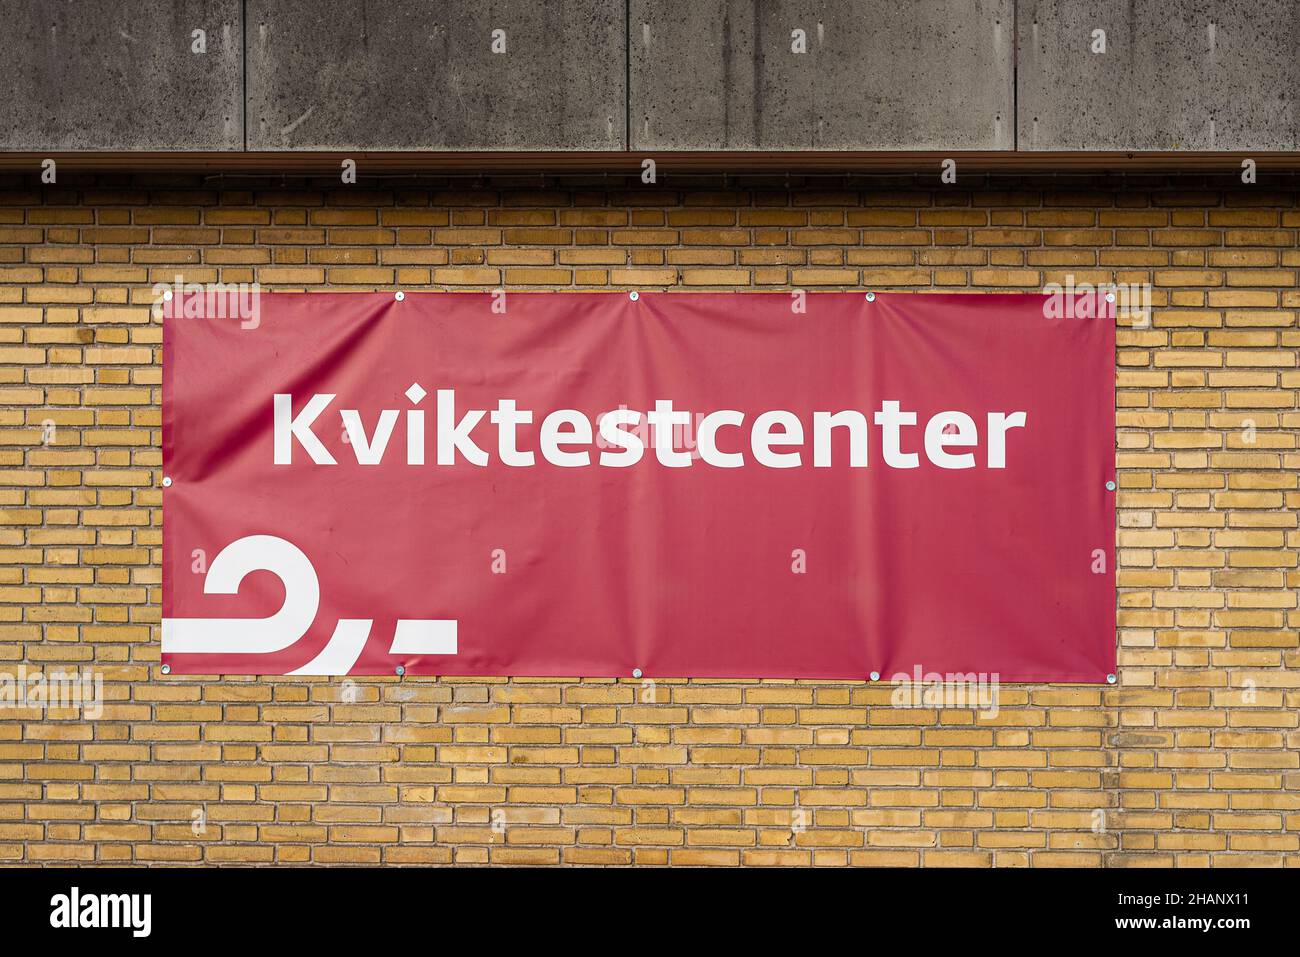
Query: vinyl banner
(752, 485)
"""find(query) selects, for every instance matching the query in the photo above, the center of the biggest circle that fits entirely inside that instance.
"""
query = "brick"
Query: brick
(713, 773)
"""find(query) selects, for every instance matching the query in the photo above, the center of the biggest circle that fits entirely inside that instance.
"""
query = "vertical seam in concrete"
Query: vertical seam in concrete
(1015, 76)
(627, 76)
(243, 65)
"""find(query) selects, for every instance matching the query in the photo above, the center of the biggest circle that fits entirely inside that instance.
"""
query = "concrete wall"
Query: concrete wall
(1176, 74)
(121, 75)
(725, 74)
(415, 75)
(649, 75)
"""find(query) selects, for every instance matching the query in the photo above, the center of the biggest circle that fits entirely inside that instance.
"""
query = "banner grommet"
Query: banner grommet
(634, 296)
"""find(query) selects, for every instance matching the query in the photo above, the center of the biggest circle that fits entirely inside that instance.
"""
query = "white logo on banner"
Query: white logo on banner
(265, 636)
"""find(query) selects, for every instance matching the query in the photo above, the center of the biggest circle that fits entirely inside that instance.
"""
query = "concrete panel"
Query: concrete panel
(421, 75)
(1176, 75)
(121, 75)
(876, 75)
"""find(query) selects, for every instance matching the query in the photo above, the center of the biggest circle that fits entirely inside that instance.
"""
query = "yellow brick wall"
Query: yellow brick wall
(1194, 757)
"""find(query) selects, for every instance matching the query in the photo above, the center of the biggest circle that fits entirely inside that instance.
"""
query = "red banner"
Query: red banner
(672, 485)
